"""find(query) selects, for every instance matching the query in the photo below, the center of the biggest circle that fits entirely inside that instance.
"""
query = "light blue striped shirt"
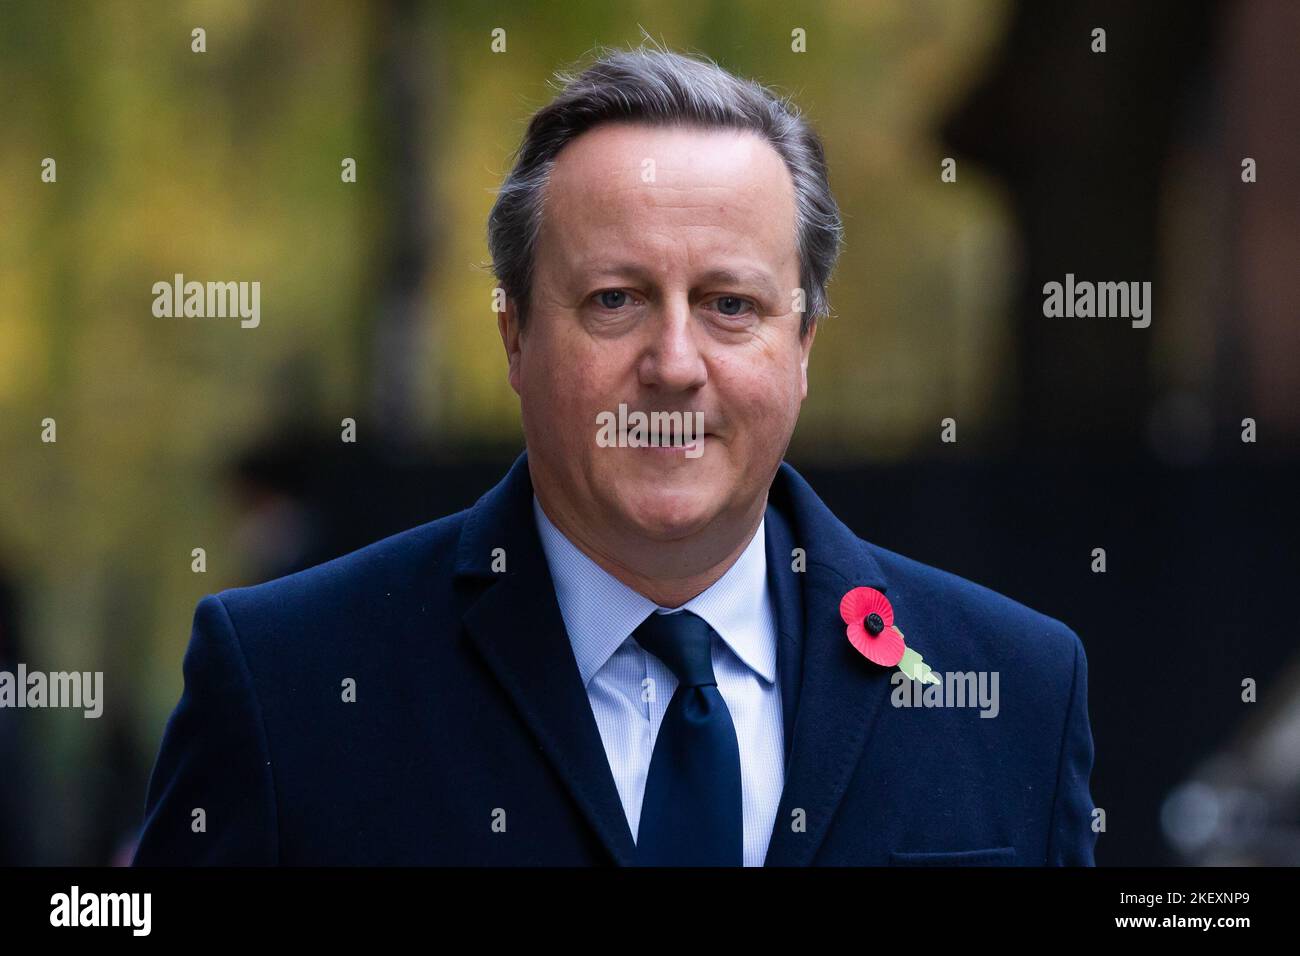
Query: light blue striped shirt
(600, 613)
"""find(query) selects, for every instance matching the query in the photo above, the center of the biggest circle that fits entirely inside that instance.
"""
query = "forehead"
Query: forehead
(670, 193)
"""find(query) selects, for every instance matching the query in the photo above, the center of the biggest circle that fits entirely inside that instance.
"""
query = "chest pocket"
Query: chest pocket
(994, 856)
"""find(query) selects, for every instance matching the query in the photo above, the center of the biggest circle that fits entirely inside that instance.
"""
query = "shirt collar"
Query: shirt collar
(600, 612)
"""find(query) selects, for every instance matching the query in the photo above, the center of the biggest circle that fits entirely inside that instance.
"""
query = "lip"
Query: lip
(669, 449)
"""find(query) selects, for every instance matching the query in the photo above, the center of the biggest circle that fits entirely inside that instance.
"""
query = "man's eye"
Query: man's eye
(612, 298)
(726, 303)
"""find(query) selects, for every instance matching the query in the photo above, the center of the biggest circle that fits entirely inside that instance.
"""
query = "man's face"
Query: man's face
(665, 279)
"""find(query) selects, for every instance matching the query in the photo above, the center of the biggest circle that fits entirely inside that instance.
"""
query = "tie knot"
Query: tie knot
(683, 641)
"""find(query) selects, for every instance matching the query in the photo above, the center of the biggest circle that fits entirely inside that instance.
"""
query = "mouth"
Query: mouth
(672, 443)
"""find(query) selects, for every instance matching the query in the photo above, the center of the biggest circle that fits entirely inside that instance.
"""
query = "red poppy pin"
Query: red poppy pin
(869, 620)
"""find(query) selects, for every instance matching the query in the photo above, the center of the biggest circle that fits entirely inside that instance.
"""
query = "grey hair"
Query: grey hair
(660, 87)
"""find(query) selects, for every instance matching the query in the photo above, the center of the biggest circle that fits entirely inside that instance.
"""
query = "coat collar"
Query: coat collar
(830, 694)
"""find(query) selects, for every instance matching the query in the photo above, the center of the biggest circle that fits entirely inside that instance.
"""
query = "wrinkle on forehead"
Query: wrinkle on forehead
(716, 192)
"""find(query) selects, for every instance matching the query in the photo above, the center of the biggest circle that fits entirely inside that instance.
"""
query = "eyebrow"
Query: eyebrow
(756, 277)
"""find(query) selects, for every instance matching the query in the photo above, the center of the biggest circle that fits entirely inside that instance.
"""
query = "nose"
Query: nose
(671, 359)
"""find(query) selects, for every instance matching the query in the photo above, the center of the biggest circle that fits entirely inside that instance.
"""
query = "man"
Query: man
(629, 653)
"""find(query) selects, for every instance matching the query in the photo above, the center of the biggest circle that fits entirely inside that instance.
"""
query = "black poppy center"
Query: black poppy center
(874, 623)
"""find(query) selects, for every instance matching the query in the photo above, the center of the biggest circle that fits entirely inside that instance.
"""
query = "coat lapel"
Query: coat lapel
(786, 586)
(516, 625)
(840, 692)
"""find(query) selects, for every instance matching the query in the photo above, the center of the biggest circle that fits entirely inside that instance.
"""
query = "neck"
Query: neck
(668, 573)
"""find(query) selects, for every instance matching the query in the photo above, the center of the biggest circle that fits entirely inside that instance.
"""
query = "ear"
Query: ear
(508, 326)
(805, 348)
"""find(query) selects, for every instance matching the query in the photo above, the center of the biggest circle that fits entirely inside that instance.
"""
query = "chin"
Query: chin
(667, 514)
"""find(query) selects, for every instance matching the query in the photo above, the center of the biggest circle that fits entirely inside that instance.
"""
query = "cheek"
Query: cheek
(766, 393)
(575, 378)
